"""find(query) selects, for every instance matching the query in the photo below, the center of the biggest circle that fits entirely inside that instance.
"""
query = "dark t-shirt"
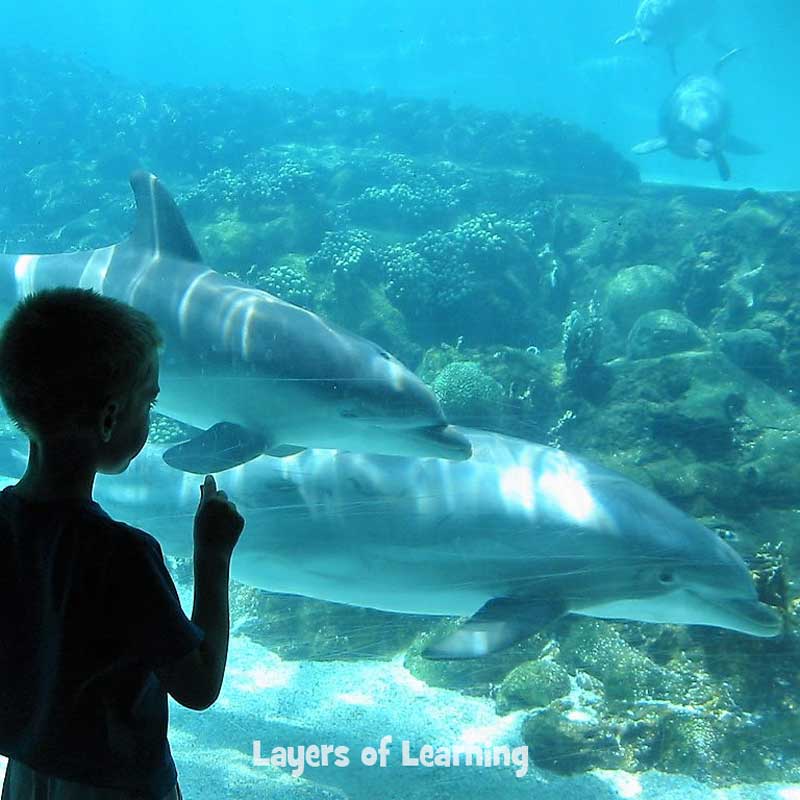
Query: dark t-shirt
(87, 612)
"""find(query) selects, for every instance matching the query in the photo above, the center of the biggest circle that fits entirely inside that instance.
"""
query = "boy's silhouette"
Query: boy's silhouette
(92, 636)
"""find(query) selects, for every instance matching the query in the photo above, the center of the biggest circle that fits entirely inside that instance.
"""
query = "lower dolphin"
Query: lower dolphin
(695, 122)
(513, 538)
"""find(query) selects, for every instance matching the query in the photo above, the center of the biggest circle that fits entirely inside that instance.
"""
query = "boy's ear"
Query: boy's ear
(108, 419)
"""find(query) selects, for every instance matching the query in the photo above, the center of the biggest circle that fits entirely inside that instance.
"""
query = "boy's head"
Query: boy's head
(68, 355)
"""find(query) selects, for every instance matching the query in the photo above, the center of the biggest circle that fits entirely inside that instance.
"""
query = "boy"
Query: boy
(92, 636)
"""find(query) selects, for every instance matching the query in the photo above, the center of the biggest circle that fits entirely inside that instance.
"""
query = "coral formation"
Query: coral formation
(467, 394)
(658, 333)
(636, 290)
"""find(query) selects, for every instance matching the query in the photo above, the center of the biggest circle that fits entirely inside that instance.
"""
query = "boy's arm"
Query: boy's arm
(195, 680)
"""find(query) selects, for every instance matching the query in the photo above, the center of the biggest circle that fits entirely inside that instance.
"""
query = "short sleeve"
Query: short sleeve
(143, 610)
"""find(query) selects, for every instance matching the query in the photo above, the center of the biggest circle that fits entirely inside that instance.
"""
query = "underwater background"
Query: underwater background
(555, 58)
(454, 181)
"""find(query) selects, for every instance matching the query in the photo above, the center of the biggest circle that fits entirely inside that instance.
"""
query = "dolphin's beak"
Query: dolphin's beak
(746, 616)
(449, 442)
(757, 619)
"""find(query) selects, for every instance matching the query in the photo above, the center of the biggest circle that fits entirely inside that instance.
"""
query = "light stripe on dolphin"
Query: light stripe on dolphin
(513, 538)
(263, 375)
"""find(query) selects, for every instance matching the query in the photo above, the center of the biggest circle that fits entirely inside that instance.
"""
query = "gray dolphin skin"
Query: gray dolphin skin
(512, 539)
(666, 23)
(695, 122)
(260, 374)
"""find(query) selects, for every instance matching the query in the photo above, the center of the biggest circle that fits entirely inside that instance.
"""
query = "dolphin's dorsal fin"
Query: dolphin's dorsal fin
(724, 60)
(160, 227)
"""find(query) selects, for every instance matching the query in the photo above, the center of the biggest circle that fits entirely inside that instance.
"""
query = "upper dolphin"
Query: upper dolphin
(513, 538)
(695, 122)
(666, 23)
(260, 374)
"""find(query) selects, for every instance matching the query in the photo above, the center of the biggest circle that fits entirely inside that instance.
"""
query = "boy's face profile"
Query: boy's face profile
(125, 422)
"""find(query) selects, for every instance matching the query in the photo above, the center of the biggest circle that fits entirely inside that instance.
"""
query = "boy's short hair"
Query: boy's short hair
(65, 352)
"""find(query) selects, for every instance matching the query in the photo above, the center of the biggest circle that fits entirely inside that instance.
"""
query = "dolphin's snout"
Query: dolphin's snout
(452, 444)
(757, 619)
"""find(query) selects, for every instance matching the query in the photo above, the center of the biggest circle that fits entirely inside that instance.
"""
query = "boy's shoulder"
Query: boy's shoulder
(126, 532)
(86, 516)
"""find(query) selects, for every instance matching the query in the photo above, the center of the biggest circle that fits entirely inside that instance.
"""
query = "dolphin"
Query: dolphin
(695, 122)
(666, 23)
(513, 538)
(250, 372)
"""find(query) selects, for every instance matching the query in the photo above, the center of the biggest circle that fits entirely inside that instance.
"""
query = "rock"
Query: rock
(661, 332)
(532, 685)
(570, 742)
(626, 674)
(773, 474)
(636, 290)
(754, 350)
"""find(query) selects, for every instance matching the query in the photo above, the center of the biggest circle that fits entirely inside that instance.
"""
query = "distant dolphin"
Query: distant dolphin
(263, 375)
(513, 538)
(666, 23)
(695, 122)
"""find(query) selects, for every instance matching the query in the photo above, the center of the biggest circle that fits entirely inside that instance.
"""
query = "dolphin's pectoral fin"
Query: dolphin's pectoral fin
(650, 146)
(221, 447)
(722, 166)
(725, 59)
(284, 450)
(160, 227)
(626, 37)
(742, 147)
(498, 624)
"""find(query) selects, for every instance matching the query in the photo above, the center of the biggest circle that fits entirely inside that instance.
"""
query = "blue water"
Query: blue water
(554, 57)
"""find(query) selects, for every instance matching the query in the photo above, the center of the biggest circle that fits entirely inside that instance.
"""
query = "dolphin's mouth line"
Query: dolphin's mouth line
(759, 618)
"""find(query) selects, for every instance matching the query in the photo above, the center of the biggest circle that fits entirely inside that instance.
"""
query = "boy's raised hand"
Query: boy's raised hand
(217, 523)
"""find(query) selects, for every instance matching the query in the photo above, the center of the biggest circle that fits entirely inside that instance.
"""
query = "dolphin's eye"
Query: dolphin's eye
(666, 577)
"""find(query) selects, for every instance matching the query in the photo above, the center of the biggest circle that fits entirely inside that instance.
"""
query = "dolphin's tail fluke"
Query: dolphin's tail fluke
(723, 167)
